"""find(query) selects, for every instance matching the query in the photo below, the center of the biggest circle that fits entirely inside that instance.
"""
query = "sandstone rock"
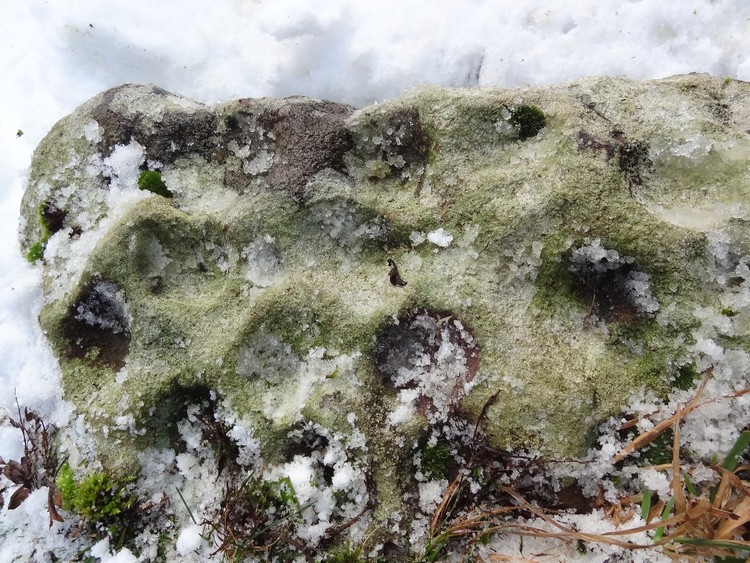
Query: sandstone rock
(552, 276)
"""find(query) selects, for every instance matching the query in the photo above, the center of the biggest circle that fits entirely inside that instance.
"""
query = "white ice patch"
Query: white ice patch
(525, 262)
(323, 502)
(290, 378)
(689, 151)
(344, 224)
(123, 165)
(440, 238)
(92, 132)
(430, 495)
(429, 361)
(264, 264)
(105, 308)
(417, 238)
(189, 540)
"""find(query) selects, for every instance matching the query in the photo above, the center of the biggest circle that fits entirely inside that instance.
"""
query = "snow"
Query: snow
(57, 55)
(189, 540)
(440, 238)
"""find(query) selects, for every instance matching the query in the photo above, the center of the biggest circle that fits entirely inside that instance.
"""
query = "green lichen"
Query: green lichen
(36, 251)
(528, 119)
(150, 180)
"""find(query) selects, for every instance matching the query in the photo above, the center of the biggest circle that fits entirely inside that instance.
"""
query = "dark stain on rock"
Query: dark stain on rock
(300, 137)
(397, 138)
(171, 406)
(174, 135)
(97, 324)
(587, 141)
(610, 287)
(52, 217)
(310, 136)
(632, 155)
(413, 344)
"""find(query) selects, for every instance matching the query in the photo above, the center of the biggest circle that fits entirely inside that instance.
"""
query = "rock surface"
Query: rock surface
(549, 275)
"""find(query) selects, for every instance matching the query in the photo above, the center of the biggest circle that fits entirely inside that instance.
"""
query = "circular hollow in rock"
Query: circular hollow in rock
(429, 351)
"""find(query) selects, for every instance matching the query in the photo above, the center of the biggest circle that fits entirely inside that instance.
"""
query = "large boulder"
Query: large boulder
(559, 247)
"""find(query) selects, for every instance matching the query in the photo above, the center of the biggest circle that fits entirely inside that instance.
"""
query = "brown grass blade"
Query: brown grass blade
(596, 538)
(438, 517)
(680, 503)
(646, 438)
(728, 527)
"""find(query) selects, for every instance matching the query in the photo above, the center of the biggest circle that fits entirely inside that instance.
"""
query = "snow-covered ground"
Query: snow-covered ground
(56, 55)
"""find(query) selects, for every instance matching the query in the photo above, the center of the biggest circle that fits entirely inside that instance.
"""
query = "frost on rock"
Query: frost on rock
(440, 238)
(264, 285)
(431, 360)
(347, 225)
(264, 263)
(526, 260)
(609, 280)
(104, 309)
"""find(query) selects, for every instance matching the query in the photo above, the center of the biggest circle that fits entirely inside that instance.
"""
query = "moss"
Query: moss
(528, 119)
(685, 377)
(101, 502)
(150, 180)
(435, 462)
(35, 252)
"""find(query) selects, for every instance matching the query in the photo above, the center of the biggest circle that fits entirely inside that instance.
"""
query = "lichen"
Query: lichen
(548, 280)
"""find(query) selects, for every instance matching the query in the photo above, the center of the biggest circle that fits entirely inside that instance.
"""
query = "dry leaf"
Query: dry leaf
(20, 495)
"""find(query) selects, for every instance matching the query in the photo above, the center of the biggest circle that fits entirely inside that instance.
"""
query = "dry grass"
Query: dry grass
(694, 525)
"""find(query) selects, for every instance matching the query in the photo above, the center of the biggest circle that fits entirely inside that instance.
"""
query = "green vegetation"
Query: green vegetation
(101, 502)
(346, 554)
(685, 377)
(256, 517)
(36, 251)
(151, 181)
(435, 462)
(529, 120)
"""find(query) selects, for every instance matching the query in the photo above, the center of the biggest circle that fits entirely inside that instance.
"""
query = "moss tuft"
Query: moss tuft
(36, 251)
(102, 503)
(151, 180)
(435, 462)
(528, 119)
(45, 216)
(685, 377)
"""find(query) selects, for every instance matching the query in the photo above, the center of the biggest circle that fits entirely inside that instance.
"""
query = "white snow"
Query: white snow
(189, 540)
(57, 55)
(440, 238)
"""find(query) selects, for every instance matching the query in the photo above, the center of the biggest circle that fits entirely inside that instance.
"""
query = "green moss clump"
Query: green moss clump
(528, 119)
(101, 503)
(151, 180)
(685, 377)
(435, 462)
(36, 251)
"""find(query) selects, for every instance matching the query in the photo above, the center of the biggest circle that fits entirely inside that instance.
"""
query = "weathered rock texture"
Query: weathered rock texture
(563, 272)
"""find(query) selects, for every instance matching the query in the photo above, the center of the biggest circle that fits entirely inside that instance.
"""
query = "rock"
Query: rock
(552, 272)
